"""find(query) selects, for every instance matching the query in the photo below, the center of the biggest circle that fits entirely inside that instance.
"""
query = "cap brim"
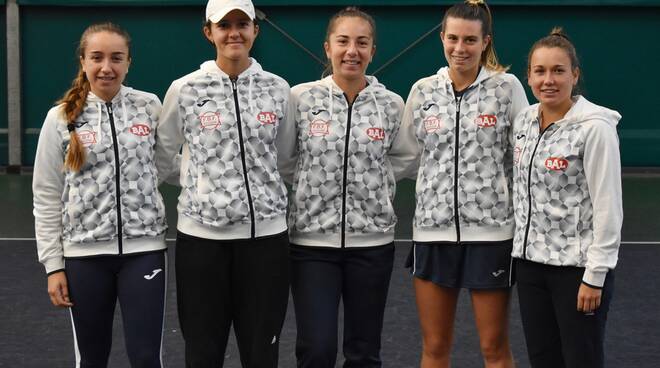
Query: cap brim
(215, 18)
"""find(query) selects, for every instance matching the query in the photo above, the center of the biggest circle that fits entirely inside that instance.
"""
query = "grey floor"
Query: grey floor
(34, 334)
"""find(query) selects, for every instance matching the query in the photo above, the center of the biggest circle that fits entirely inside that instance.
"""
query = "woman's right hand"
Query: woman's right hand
(58, 290)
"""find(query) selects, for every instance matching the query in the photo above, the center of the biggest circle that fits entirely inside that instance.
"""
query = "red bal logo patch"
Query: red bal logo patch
(319, 128)
(556, 164)
(376, 134)
(209, 120)
(431, 124)
(267, 118)
(486, 121)
(87, 137)
(140, 129)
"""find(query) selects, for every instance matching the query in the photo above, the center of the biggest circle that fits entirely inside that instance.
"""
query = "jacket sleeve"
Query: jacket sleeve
(518, 104)
(169, 136)
(602, 167)
(406, 150)
(47, 189)
(396, 157)
(287, 140)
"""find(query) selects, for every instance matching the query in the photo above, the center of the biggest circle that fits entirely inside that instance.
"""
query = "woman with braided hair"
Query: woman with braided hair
(568, 211)
(99, 219)
(456, 132)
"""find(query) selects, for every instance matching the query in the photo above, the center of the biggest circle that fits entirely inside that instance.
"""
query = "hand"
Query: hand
(588, 299)
(58, 290)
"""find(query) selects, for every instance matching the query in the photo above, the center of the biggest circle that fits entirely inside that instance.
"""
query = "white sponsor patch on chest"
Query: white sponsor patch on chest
(87, 137)
(209, 120)
(319, 128)
(432, 124)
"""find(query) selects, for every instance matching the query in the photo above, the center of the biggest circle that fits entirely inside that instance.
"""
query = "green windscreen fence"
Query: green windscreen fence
(341, 2)
(617, 44)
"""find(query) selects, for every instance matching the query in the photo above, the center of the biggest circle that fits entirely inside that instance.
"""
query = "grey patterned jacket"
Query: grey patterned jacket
(105, 208)
(463, 169)
(230, 186)
(338, 158)
(567, 190)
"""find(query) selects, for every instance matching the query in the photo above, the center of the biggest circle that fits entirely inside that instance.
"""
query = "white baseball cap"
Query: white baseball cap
(217, 9)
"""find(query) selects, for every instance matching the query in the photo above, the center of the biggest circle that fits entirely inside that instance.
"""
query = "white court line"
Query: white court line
(396, 240)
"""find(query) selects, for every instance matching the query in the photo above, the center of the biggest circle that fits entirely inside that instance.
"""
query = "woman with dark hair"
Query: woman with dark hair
(340, 134)
(567, 196)
(232, 264)
(99, 219)
(457, 131)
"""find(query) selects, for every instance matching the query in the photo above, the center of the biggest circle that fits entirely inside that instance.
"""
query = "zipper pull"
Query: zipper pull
(233, 84)
(109, 106)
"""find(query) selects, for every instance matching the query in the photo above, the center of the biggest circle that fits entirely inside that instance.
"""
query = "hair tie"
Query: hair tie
(71, 127)
(559, 34)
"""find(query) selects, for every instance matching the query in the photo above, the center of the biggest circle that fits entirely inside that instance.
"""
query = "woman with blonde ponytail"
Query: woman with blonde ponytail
(99, 219)
(456, 134)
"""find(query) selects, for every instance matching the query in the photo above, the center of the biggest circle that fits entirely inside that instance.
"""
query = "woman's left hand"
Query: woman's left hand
(588, 299)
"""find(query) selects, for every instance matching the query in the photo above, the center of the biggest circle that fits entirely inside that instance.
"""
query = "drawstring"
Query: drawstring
(380, 117)
(123, 110)
(250, 101)
(524, 147)
(99, 131)
(332, 98)
(381, 122)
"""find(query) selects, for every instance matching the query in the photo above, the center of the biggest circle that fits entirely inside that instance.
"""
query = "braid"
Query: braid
(74, 102)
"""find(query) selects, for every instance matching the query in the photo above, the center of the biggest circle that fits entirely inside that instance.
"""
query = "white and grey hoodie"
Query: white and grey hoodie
(463, 169)
(567, 190)
(337, 155)
(230, 186)
(112, 205)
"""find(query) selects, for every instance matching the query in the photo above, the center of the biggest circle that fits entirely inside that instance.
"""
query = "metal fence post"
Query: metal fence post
(14, 87)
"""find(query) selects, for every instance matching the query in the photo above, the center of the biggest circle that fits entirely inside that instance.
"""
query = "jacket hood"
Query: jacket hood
(210, 66)
(582, 110)
(123, 92)
(484, 73)
(372, 85)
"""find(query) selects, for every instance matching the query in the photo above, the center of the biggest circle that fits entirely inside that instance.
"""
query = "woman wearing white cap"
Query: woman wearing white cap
(232, 242)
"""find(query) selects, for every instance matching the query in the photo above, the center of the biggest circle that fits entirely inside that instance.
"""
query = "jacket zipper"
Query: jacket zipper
(456, 154)
(240, 143)
(117, 176)
(529, 192)
(345, 179)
